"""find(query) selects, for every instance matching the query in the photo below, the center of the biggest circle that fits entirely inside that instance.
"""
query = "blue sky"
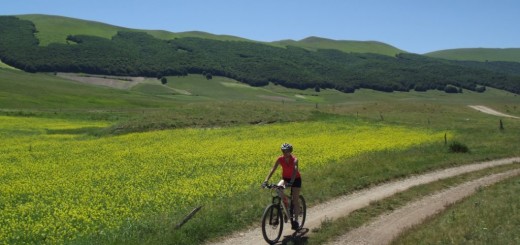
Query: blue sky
(418, 26)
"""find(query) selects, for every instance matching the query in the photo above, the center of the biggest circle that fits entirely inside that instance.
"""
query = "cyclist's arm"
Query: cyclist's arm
(272, 171)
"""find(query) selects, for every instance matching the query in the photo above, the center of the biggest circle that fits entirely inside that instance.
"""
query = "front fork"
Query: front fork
(286, 213)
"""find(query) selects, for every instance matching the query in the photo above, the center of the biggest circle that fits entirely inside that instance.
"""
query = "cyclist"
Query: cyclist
(291, 178)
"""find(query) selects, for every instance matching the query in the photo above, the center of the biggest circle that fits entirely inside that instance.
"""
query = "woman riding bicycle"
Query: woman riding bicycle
(291, 178)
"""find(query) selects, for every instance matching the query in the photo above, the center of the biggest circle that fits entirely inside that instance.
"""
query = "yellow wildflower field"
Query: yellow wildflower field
(56, 187)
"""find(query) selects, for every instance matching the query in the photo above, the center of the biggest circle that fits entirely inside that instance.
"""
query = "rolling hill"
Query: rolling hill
(55, 29)
(40, 43)
(315, 43)
(478, 54)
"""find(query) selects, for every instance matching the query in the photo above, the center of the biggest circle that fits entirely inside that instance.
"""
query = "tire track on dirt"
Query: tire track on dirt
(344, 205)
(387, 227)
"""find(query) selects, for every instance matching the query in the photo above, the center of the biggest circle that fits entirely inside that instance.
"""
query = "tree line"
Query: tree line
(133, 53)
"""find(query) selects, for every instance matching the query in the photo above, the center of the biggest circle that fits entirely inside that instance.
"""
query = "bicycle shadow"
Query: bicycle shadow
(297, 238)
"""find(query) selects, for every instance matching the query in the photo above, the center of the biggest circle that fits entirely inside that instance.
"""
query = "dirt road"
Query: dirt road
(387, 227)
(344, 205)
(490, 111)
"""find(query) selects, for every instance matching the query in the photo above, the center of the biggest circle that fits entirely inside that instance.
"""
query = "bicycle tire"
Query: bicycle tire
(272, 223)
(303, 212)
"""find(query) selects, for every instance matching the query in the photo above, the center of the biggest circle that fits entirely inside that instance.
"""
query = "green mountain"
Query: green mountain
(478, 54)
(37, 43)
(315, 43)
(55, 29)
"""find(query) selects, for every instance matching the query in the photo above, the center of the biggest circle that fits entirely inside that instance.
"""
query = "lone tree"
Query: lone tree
(164, 80)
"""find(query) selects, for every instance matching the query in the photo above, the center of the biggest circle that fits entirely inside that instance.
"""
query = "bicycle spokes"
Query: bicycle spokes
(272, 224)
(274, 220)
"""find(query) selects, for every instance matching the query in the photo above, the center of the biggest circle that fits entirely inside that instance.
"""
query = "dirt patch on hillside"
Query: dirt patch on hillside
(344, 205)
(490, 111)
(108, 81)
(276, 98)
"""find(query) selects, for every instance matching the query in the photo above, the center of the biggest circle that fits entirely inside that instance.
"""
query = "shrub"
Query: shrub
(481, 89)
(451, 89)
(457, 147)
(164, 80)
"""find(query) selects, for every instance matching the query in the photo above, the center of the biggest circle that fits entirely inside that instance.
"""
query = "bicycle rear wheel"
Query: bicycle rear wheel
(272, 223)
(303, 212)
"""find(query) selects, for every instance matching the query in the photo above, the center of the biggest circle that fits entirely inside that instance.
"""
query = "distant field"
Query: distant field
(71, 156)
(20, 89)
(195, 100)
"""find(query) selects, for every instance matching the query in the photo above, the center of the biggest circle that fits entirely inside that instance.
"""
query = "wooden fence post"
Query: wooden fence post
(188, 217)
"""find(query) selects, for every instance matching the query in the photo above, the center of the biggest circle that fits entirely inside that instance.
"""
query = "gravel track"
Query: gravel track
(344, 205)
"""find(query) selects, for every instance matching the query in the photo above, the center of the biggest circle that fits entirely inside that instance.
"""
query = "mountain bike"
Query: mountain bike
(279, 212)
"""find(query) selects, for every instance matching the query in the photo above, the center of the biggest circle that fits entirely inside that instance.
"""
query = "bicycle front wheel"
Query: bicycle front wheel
(272, 223)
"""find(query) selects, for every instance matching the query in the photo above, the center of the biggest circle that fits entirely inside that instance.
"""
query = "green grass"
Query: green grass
(55, 29)
(6, 66)
(315, 43)
(33, 91)
(224, 89)
(489, 217)
(479, 54)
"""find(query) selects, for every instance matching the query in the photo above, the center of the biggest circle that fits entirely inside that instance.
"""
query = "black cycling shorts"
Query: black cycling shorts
(297, 182)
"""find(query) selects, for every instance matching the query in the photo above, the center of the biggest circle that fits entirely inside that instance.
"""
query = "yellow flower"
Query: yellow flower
(64, 186)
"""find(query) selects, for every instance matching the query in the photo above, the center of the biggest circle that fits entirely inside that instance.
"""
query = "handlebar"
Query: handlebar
(273, 186)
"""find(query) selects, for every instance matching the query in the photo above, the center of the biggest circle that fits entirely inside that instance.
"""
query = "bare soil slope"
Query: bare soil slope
(490, 111)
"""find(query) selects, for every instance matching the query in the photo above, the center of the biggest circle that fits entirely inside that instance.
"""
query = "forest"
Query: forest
(134, 53)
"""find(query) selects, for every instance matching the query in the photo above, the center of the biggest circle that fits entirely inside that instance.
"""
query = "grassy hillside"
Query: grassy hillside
(136, 53)
(315, 43)
(27, 90)
(190, 101)
(55, 29)
(218, 102)
(20, 89)
(478, 54)
(5, 66)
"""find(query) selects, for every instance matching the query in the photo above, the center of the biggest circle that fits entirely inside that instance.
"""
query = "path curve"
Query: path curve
(344, 205)
(387, 227)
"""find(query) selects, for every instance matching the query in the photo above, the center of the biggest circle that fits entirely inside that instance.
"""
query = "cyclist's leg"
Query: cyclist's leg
(296, 202)
(281, 183)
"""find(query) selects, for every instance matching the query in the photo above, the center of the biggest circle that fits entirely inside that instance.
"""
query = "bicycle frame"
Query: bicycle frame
(279, 196)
